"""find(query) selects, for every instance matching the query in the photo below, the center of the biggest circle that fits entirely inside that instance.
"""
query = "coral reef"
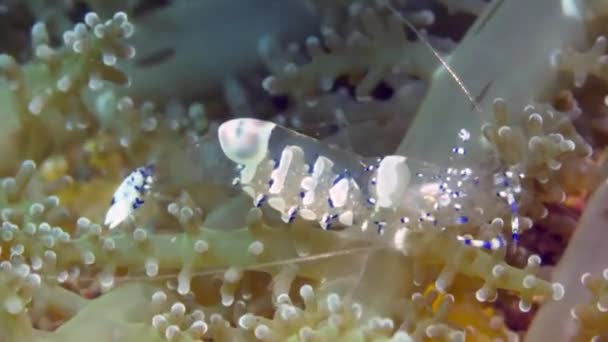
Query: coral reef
(187, 171)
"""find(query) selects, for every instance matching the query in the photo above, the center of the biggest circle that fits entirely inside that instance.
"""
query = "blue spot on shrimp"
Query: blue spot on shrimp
(299, 176)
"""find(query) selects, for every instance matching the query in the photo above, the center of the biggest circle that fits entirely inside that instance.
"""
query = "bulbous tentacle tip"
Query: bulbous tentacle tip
(245, 140)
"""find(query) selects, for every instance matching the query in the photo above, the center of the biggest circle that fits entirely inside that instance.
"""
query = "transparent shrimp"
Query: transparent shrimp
(299, 176)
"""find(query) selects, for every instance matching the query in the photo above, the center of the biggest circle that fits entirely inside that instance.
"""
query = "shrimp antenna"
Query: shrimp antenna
(257, 266)
(445, 64)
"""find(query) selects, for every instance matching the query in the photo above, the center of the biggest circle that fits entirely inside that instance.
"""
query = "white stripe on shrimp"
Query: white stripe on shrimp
(129, 195)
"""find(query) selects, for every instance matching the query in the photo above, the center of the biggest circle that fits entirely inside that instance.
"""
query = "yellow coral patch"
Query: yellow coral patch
(100, 158)
(478, 320)
(54, 168)
(80, 197)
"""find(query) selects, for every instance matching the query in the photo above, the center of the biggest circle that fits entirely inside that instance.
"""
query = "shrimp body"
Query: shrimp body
(300, 177)
(129, 195)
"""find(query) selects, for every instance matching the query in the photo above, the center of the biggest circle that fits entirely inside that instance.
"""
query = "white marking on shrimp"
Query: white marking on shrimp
(128, 195)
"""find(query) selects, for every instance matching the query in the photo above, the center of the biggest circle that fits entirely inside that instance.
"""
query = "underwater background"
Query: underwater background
(303, 170)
